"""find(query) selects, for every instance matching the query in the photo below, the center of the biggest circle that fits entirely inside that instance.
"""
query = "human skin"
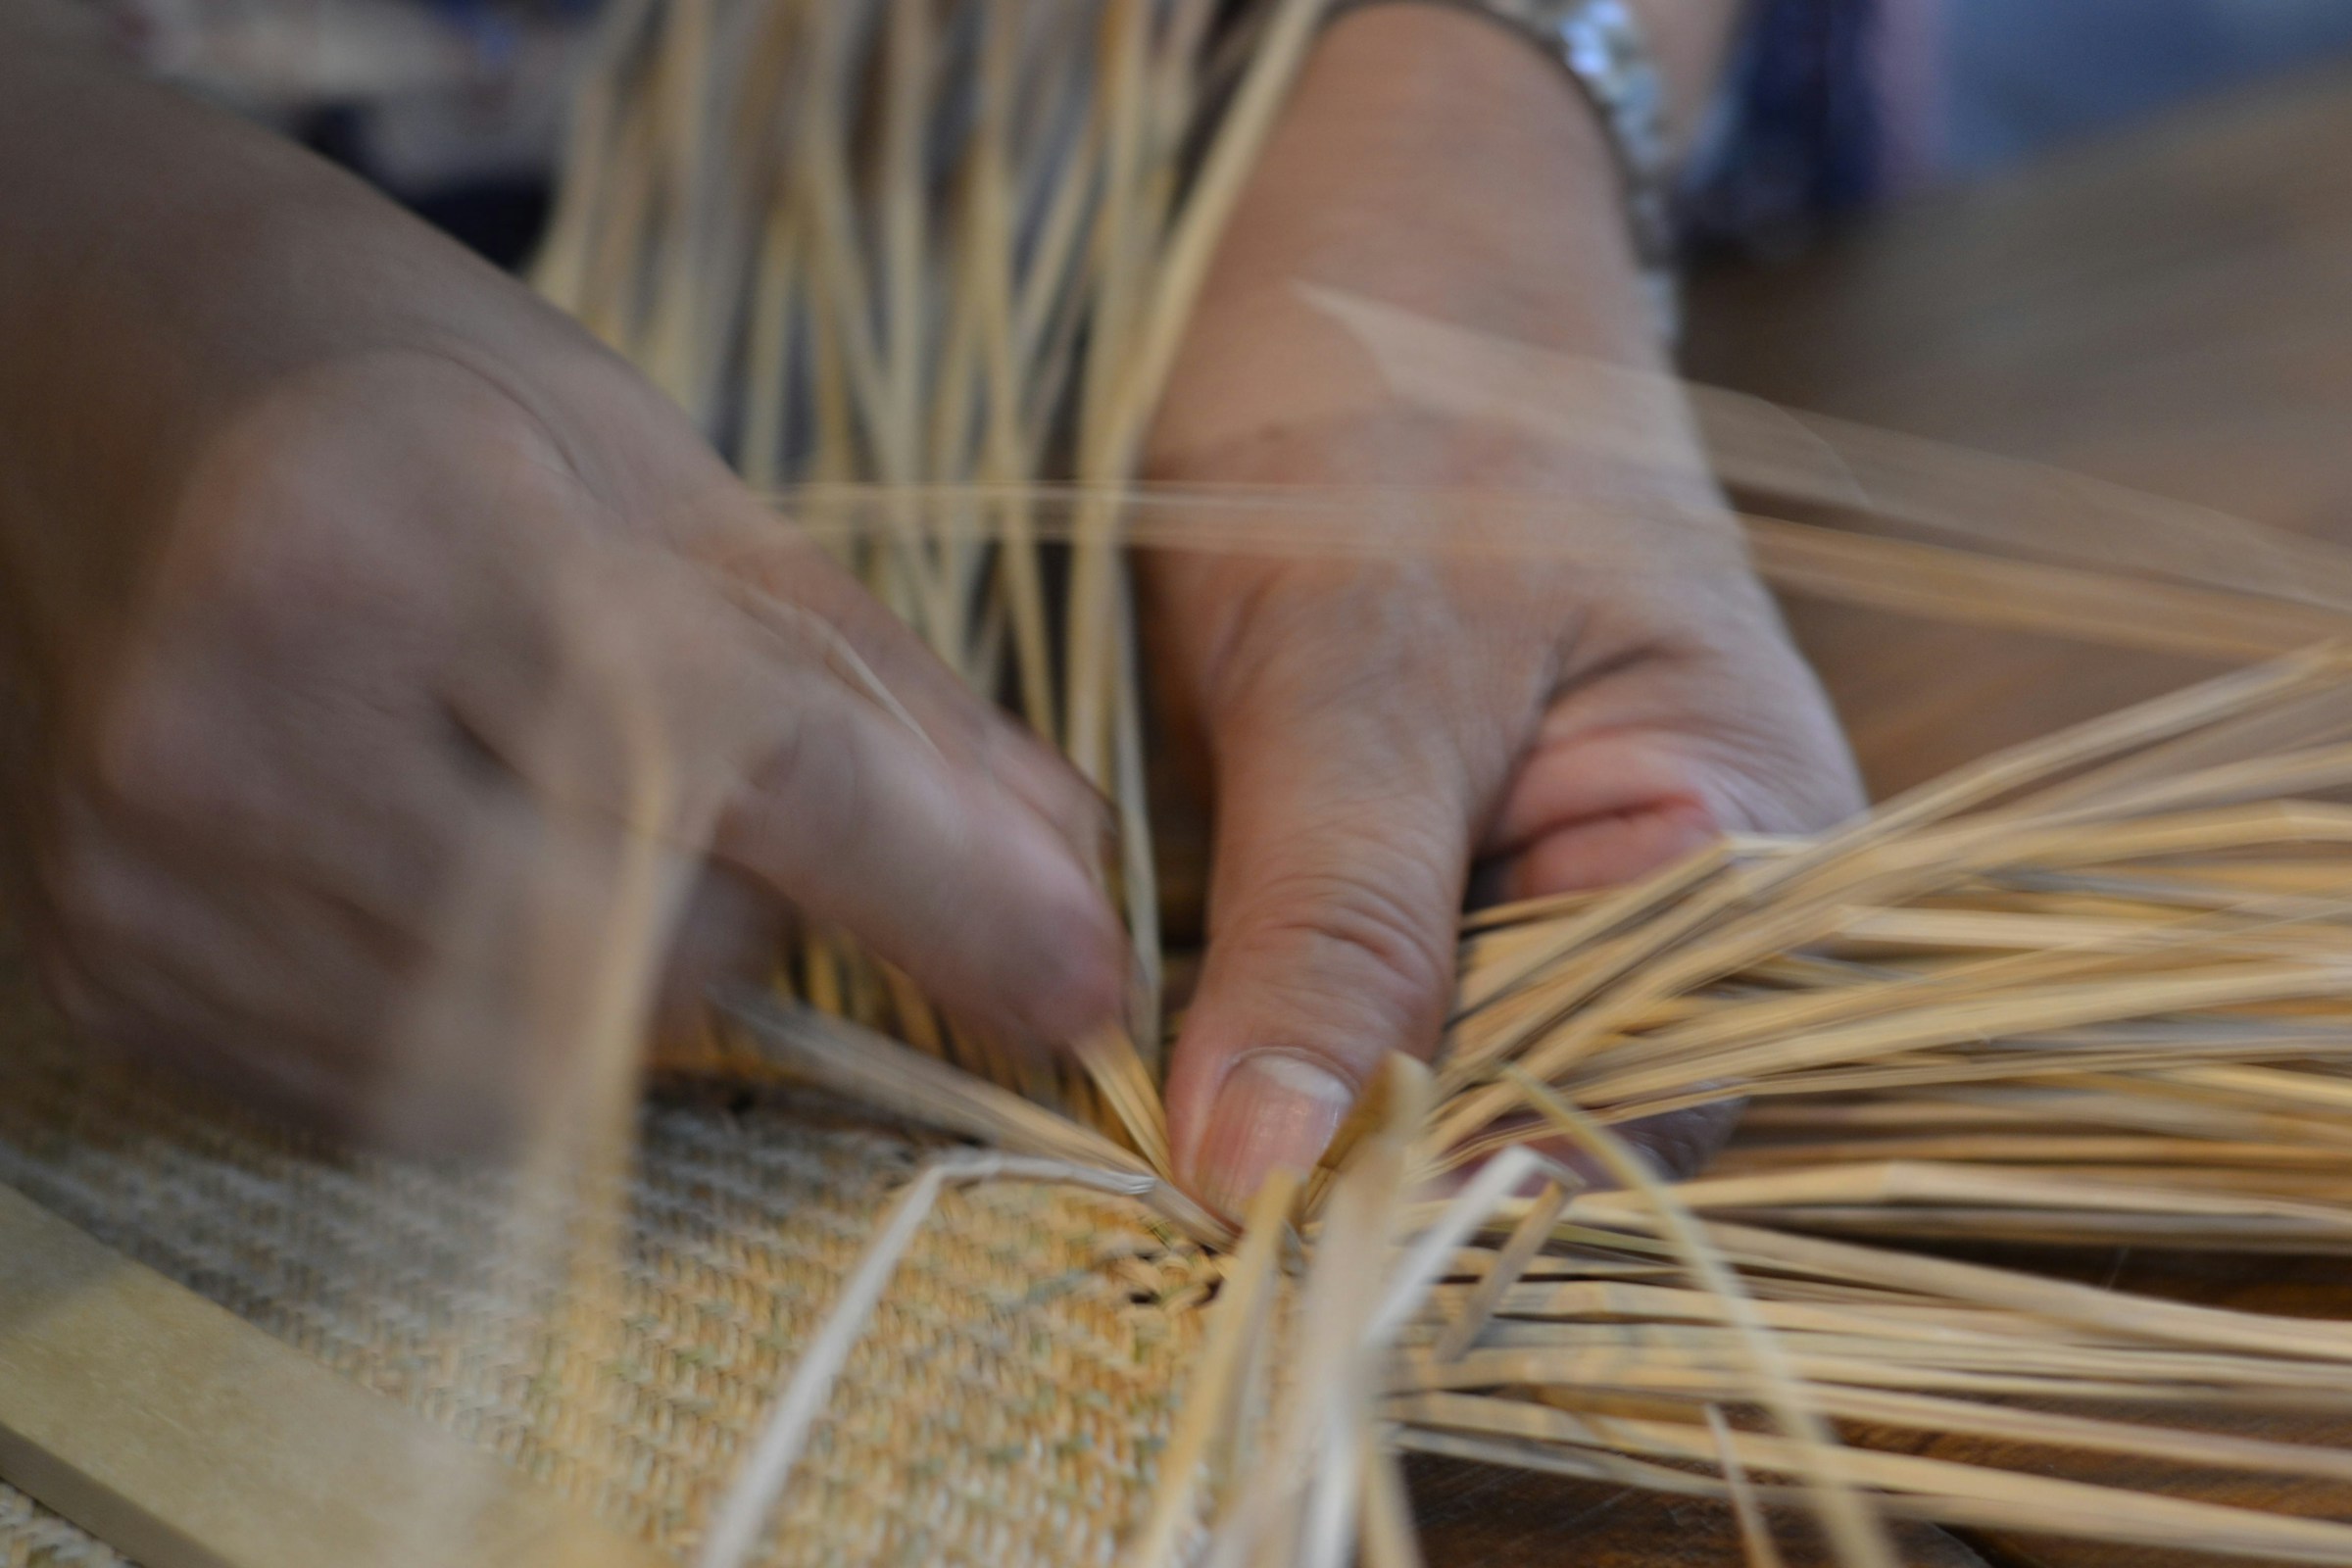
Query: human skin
(1373, 732)
(350, 587)
(364, 607)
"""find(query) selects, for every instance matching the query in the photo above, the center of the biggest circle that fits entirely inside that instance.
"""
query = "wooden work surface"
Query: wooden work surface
(2169, 311)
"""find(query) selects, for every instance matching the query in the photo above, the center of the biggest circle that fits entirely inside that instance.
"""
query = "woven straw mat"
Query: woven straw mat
(1003, 1406)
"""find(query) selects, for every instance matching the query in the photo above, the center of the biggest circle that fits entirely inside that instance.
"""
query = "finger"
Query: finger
(1612, 793)
(121, 895)
(1676, 1144)
(857, 819)
(147, 1016)
(277, 699)
(1632, 771)
(317, 769)
(1599, 811)
(730, 931)
(449, 1043)
(781, 578)
(809, 782)
(1334, 898)
(1680, 1143)
(546, 979)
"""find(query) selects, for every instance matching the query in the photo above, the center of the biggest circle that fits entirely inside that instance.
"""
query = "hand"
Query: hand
(368, 662)
(1373, 727)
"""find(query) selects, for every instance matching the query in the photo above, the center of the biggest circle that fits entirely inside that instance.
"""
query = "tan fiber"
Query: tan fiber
(184, 1435)
(919, 268)
(1018, 1381)
(2084, 998)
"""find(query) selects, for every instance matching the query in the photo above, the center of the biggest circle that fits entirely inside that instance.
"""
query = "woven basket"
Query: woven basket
(1003, 1406)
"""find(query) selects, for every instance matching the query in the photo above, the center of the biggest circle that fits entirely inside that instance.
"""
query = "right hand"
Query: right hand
(330, 801)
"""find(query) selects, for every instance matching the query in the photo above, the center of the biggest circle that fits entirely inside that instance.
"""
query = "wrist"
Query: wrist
(1432, 162)
(1435, 161)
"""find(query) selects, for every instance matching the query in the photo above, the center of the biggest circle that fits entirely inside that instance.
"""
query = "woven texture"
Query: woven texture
(1005, 1406)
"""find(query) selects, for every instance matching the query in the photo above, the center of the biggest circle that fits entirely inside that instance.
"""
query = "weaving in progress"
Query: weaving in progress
(842, 1278)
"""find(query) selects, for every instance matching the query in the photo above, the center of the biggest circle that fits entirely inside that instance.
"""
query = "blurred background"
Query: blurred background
(2107, 240)
(2112, 237)
(457, 104)
(2015, 78)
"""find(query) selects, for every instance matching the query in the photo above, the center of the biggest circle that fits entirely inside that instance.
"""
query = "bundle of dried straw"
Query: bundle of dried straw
(926, 257)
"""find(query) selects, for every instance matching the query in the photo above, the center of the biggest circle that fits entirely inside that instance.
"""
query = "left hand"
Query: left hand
(1374, 726)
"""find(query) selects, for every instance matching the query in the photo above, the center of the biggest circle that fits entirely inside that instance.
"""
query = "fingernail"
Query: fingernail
(1275, 1110)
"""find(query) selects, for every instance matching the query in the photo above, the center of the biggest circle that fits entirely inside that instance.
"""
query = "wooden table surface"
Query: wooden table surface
(2169, 311)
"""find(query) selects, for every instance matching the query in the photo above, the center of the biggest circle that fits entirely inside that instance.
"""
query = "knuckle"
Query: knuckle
(1364, 943)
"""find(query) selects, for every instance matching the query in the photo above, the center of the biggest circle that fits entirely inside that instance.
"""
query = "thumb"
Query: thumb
(1334, 898)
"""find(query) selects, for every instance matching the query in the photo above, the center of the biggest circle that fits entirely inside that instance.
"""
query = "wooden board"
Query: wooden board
(186, 1437)
(2286, 1286)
